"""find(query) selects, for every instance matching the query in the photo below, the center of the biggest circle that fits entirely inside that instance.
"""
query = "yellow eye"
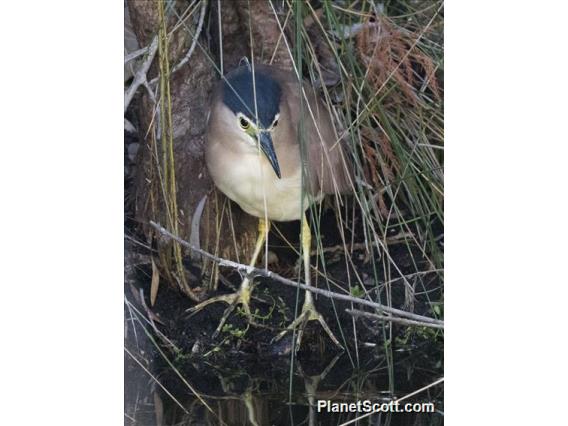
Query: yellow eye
(244, 124)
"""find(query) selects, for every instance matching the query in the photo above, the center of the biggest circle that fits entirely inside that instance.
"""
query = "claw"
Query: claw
(241, 297)
(309, 313)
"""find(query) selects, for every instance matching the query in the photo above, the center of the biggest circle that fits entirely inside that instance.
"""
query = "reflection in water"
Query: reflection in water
(253, 393)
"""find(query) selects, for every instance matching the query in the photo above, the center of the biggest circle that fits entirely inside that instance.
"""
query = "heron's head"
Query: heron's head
(255, 104)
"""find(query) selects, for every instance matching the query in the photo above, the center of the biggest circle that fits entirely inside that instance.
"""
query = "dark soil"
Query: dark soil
(243, 360)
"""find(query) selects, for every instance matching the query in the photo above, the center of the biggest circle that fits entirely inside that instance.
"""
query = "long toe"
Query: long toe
(232, 305)
(309, 313)
(328, 330)
(300, 321)
(225, 298)
(233, 300)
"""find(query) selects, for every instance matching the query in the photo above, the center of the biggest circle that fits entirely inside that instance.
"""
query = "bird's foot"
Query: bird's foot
(309, 313)
(241, 297)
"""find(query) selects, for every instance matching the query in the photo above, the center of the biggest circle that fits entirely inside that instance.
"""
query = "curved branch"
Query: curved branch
(250, 270)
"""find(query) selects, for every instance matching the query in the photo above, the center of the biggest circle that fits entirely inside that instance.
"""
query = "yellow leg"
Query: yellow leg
(309, 311)
(242, 296)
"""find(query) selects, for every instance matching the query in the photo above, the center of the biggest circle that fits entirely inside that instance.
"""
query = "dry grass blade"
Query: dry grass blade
(168, 160)
(155, 284)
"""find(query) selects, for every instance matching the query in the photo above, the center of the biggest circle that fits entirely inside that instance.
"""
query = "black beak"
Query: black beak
(268, 148)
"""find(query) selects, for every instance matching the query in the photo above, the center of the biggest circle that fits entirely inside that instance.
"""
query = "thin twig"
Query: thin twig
(133, 55)
(358, 313)
(150, 91)
(195, 37)
(140, 78)
(250, 270)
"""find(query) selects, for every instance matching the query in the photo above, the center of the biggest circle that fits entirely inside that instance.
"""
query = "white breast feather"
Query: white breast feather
(281, 197)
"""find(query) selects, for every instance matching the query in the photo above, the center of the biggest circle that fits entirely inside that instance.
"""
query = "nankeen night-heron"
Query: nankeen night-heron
(272, 148)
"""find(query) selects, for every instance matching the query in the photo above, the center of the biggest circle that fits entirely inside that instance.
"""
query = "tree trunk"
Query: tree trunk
(224, 229)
